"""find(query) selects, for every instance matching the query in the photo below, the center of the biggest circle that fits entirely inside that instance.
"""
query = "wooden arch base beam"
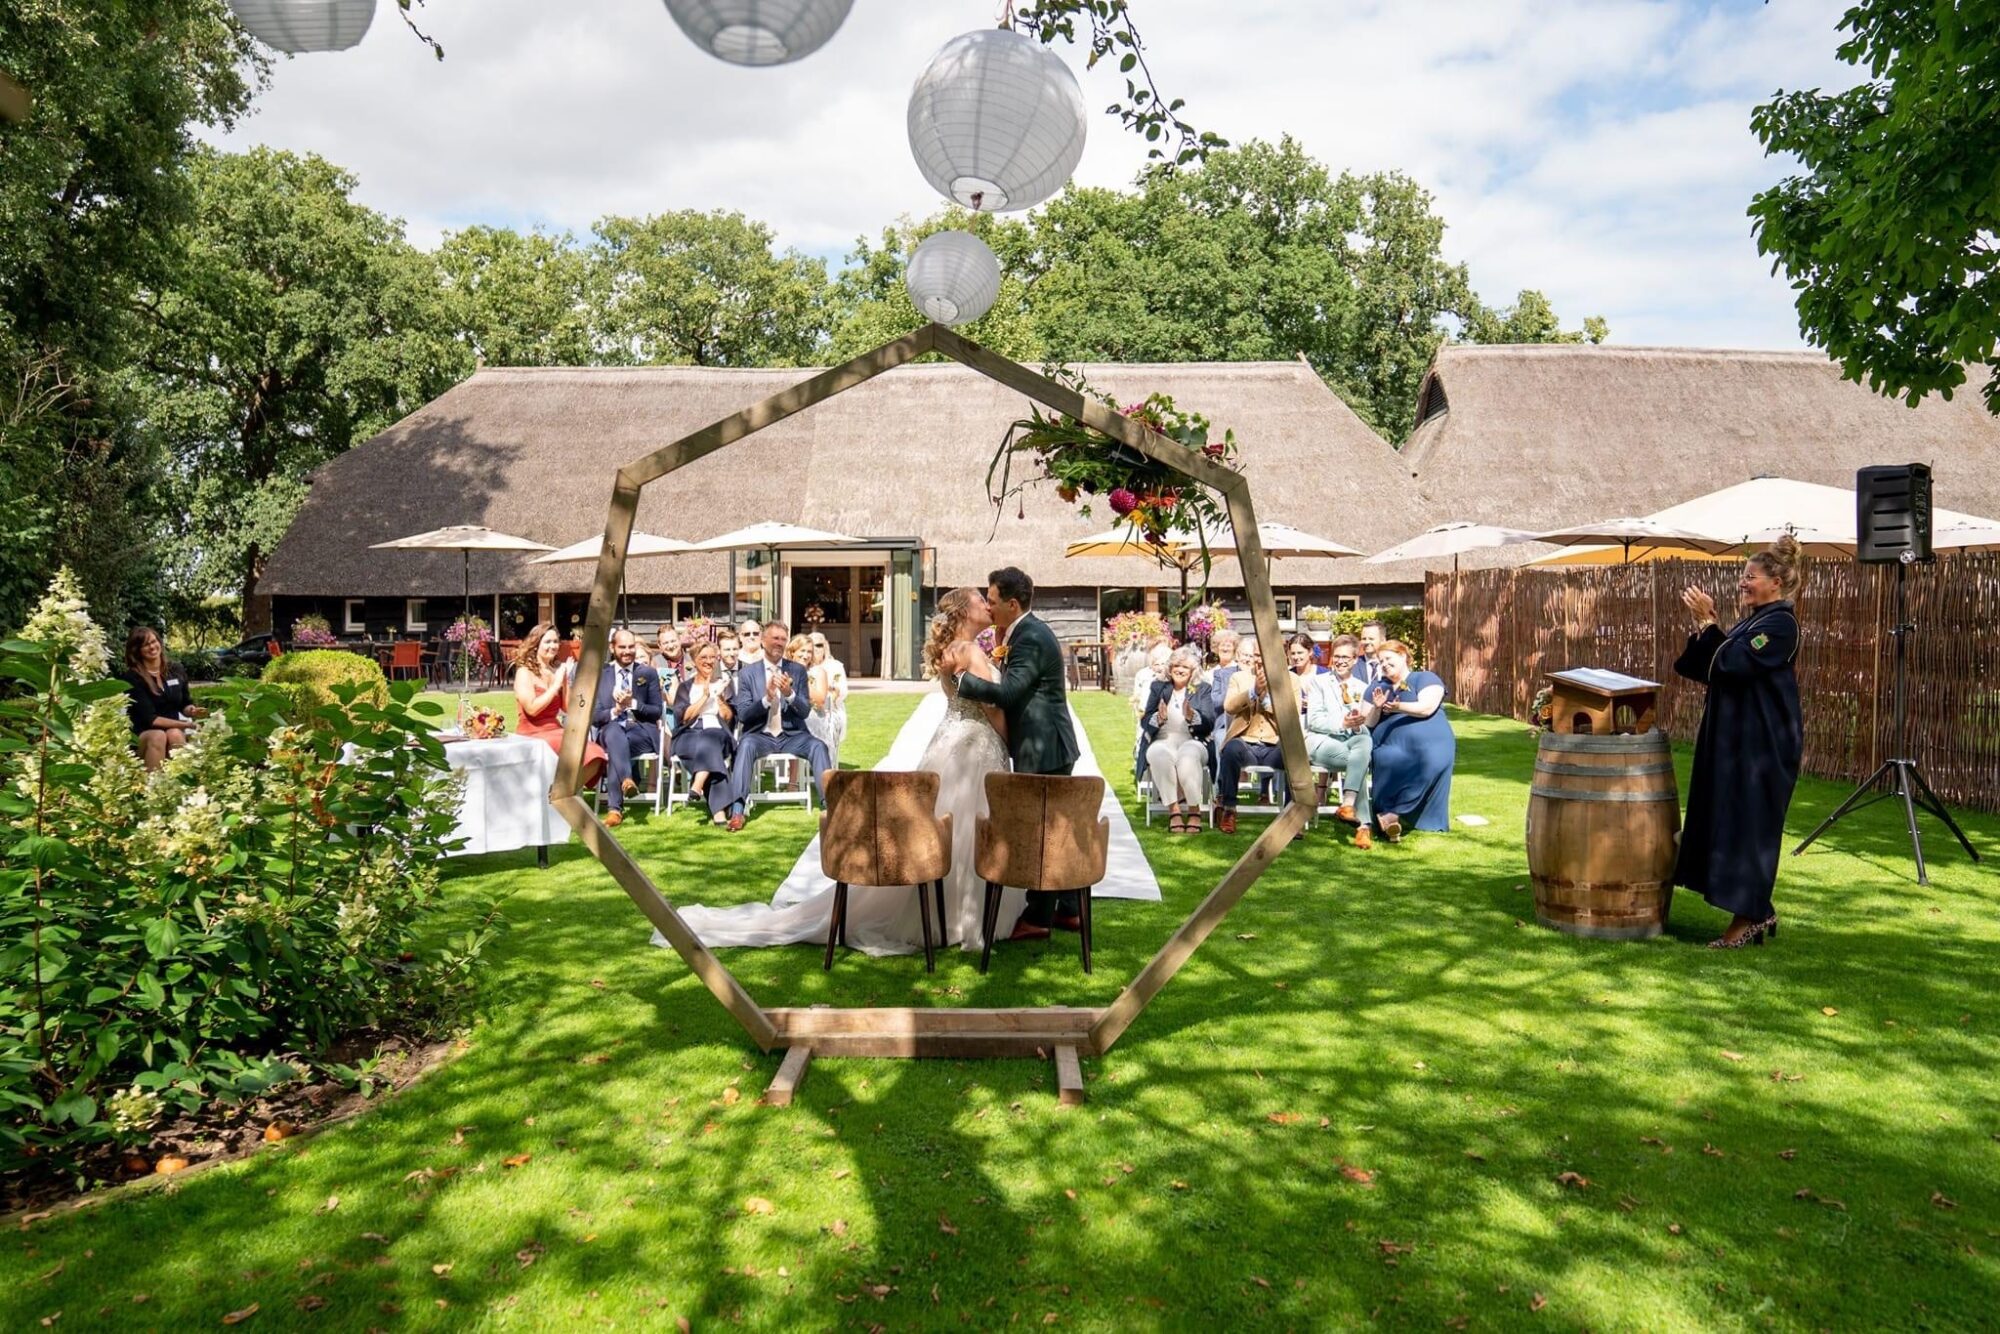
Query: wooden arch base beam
(1061, 1033)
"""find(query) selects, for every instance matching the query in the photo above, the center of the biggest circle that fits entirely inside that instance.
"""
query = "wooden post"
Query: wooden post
(791, 1074)
(1069, 1078)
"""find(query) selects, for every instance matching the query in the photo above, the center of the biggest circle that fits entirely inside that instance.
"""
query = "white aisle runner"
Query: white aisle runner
(789, 918)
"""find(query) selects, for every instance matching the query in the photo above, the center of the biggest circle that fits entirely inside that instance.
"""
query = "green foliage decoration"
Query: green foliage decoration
(322, 677)
(207, 931)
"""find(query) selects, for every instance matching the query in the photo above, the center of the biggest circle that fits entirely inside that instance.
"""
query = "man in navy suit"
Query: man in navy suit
(773, 701)
(627, 719)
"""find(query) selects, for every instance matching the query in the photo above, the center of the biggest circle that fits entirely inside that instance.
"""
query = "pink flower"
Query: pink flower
(1123, 502)
(1215, 451)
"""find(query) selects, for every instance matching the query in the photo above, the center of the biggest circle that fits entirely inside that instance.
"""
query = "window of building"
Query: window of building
(1347, 602)
(355, 617)
(415, 614)
(1288, 606)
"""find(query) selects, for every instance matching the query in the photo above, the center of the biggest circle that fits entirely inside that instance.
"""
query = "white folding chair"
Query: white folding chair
(791, 782)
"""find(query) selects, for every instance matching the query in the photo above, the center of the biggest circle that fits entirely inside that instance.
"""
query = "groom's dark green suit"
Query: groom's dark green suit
(1040, 740)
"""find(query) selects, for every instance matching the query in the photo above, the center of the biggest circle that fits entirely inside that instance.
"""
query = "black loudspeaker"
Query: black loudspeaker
(1892, 514)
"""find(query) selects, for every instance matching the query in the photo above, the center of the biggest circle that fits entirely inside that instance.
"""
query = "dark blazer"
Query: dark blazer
(1031, 693)
(751, 711)
(684, 697)
(647, 706)
(1204, 711)
(173, 701)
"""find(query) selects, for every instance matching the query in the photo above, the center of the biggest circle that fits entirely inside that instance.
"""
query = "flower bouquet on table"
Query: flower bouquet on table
(476, 722)
(310, 631)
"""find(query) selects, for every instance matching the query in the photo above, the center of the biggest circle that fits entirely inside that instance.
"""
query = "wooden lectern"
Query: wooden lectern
(1589, 700)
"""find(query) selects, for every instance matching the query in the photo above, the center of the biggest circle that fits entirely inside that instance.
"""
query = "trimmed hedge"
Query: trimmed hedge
(313, 675)
(1404, 623)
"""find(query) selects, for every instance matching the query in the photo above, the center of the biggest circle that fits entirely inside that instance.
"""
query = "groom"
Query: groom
(1031, 693)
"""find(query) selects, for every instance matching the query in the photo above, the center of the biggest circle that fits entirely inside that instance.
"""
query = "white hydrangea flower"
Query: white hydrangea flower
(62, 619)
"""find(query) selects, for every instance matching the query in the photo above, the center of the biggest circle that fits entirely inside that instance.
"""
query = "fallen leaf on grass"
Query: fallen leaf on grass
(757, 1204)
(442, 1270)
(840, 1174)
(838, 1227)
(1712, 1151)
(1395, 1247)
(238, 1317)
(595, 1058)
(1628, 1202)
(1728, 1055)
(35, 1217)
(1788, 1154)
(530, 1253)
(1179, 1185)
(1475, 1155)
(730, 1096)
(681, 1324)
(375, 1237)
(1574, 1180)
(1657, 1143)
(1674, 1228)
(1069, 1193)
(312, 1301)
(1942, 1201)
(1814, 1197)
(945, 1225)
(597, 982)
(518, 1160)
(1126, 1168)
(1538, 1303)
(1360, 1175)
(1284, 1118)
(1260, 1282)
(279, 1130)
(64, 1264)
(1828, 1011)
(48, 1321)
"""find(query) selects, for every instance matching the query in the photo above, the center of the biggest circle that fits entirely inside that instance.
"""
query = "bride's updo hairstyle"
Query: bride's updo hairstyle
(943, 632)
(1781, 561)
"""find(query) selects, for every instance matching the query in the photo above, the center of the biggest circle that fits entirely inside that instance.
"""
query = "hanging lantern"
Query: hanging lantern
(953, 278)
(996, 121)
(299, 26)
(759, 32)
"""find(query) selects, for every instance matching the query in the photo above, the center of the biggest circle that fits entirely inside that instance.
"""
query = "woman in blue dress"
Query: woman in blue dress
(1414, 746)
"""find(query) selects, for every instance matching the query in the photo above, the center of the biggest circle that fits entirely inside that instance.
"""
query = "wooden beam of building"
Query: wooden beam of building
(15, 101)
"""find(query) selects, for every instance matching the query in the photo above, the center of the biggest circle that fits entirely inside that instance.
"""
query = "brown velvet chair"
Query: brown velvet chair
(883, 829)
(1041, 833)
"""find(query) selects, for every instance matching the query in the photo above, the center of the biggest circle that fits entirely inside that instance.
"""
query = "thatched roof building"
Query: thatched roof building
(900, 460)
(1537, 436)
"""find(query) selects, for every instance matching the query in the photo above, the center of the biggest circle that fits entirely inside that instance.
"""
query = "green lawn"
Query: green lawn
(1357, 1104)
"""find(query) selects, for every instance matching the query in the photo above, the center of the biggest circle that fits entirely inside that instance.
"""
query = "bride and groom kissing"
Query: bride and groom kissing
(1009, 710)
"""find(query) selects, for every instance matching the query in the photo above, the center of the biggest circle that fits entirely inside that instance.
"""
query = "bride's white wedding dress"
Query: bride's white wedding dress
(884, 919)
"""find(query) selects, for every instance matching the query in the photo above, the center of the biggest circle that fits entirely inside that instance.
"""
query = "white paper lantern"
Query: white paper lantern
(759, 32)
(306, 25)
(953, 278)
(996, 121)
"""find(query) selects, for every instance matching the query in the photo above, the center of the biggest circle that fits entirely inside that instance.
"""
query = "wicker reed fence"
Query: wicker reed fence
(1496, 633)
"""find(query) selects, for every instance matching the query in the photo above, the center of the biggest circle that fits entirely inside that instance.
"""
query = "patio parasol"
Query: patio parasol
(590, 548)
(1627, 532)
(464, 539)
(1452, 539)
(1176, 549)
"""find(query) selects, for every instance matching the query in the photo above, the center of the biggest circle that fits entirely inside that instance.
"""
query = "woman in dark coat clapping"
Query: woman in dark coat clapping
(1747, 753)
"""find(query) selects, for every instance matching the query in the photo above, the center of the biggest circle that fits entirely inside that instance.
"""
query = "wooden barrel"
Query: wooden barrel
(1602, 814)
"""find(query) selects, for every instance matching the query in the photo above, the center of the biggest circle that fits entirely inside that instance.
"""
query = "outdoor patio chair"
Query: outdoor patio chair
(406, 660)
(882, 829)
(1042, 833)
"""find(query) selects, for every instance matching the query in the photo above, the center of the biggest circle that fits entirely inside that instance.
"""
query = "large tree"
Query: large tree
(297, 323)
(519, 299)
(92, 194)
(705, 289)
(1889, 234)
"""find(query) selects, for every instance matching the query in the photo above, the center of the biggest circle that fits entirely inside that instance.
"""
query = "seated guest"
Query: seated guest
(627, 719)
(834, 673)
(703, 737)
(726, 663)
(670, 660)
(1173, 733)
(1251, 736)
(1413, 746)
(799, 649)
(1337, 738)
(163, 716)
(1373, 635)
(748, 636)
(1155, 670)
(773, 701)
(541, 679)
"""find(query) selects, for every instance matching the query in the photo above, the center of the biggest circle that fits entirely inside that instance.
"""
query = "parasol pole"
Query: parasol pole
(465, 630)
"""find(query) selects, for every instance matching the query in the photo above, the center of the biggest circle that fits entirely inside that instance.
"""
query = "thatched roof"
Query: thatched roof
(533, 451)
(1537, 436)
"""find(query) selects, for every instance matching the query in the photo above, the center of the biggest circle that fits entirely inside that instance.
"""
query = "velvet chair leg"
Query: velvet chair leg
(989, 920)
(924, 915)
(836, 926)
(1083, 913)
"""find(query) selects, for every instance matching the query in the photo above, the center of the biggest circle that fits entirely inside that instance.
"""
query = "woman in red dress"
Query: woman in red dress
(540, 683)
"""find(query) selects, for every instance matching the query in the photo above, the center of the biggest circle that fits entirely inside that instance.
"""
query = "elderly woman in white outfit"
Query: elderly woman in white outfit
(833, 714)
(1173, 731)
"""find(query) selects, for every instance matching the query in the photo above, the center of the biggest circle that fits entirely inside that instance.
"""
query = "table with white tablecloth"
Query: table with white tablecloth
(506, 803)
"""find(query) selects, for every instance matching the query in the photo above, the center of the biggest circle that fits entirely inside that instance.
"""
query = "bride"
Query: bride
(969, 744)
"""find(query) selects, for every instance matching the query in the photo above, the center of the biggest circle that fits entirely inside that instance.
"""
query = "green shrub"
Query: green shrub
(1404, 623)
(195, 934)
(316, 675)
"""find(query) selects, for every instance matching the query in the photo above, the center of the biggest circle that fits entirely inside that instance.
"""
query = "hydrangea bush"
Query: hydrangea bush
(208, 930)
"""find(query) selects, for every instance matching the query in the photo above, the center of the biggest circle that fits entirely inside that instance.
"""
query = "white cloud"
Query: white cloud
(1596, 149)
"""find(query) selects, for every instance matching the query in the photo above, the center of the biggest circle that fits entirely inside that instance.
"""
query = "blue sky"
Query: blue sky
(1599, 150)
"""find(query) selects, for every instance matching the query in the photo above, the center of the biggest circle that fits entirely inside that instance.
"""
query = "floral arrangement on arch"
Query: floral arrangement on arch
(1129, 629)
(312, 631)
(1204, 621)
(1150, 499)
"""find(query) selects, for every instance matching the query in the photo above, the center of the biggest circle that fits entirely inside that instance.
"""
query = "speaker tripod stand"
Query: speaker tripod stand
(1903, 778)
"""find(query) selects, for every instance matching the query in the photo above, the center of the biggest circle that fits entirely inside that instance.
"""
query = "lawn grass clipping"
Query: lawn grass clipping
(1359, 1099)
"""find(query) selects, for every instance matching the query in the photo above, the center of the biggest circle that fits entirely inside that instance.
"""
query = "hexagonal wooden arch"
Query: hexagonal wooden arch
(880, 1032)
